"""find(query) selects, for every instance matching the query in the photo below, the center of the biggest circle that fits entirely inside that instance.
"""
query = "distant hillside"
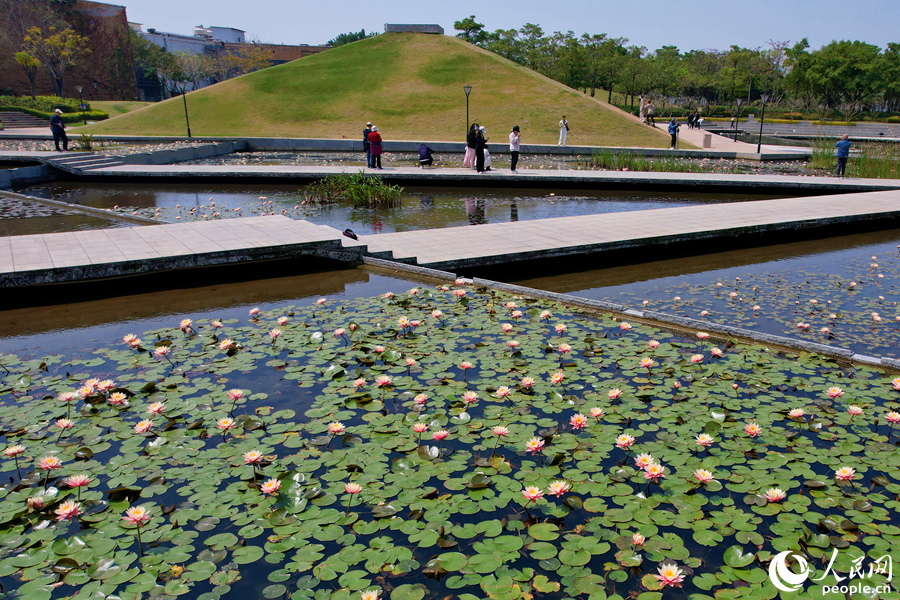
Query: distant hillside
(410, 85)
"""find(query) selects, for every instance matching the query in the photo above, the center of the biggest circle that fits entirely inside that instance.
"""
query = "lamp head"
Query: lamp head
(467, 89)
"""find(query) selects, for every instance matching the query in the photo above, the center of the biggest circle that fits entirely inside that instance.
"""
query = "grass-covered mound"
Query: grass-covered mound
(440, 442)
(409, 85)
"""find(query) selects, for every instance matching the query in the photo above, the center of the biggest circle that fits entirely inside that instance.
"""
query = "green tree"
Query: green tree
(348, 38)
(30, 65)
(57, 50)
(470, 30)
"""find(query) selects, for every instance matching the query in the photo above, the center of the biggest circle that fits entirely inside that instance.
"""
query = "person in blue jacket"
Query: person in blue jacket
(366, 145)
(673, 131)
(843, 153)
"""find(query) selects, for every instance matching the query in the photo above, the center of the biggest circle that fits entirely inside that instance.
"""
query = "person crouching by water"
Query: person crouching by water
(366, 146)
(426, 159)
(843, 153)
(58, 129)
(514, 138)
(375, 148)
(469, 159)
(480, 145)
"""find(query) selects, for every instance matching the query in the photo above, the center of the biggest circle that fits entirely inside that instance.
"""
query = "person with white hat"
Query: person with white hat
(58, 129)
(375, 147)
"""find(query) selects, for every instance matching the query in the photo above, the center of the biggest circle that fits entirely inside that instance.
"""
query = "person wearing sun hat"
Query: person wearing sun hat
(375, 147)
(58, 129)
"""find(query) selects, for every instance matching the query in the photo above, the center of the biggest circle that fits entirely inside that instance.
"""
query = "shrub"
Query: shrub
(67, 117)
(895, 119)
(358, 189)
(793, 116)
(837, 123)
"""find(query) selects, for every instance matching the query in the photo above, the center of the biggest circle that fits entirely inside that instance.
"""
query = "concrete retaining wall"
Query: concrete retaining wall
(22, 176)
(168, 157)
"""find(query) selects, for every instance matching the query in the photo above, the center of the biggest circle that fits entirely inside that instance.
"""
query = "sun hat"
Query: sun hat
(369, 123)
(374, 128)
(481, 128)
(58, 111)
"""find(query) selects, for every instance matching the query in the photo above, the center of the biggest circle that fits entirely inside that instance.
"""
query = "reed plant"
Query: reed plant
(822, 154)
(876, 160)
(357, 189)
(629, 161)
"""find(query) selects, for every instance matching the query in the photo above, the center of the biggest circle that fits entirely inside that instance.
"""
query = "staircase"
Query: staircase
(82, 162)
(19, 120)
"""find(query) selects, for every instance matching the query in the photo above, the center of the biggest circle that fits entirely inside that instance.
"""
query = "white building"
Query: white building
(195, 44)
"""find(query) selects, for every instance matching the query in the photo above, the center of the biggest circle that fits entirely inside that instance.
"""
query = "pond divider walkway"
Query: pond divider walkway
(99, 254)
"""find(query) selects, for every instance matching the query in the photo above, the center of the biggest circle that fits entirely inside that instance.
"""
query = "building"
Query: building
(395, 28)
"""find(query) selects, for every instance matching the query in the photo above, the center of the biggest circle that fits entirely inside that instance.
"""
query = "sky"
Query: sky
(687, 24)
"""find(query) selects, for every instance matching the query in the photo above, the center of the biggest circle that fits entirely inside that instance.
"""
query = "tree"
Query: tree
(30, 65)
(347, 38)
(57, 50)
(470, 30)
(194, 68)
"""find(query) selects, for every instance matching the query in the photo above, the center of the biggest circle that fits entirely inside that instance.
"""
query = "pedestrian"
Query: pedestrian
(375, 147)
(563, 131)
(733, 123)
(58, 129)
(469, 159)
(480, 145)
(514, 138)
(642, 113)
(426, 159)
(366, 145)
(673, 131)
(650, 111)
(843, 153)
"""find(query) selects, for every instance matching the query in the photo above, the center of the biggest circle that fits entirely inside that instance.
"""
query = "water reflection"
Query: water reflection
(421, 208)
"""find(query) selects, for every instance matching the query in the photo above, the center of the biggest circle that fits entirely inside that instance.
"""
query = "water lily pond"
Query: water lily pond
(840, 291)
(440, 442)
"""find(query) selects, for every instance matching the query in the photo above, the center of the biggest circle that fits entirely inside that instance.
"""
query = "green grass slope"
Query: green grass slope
(410, 85)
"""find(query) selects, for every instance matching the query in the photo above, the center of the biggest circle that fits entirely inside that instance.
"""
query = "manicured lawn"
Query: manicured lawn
(409, 85)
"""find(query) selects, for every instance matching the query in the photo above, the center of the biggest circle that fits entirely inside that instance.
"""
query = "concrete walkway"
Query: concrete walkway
(91, 255)
(724, 143)
(545, 178)
(101, 253)
(720, 224)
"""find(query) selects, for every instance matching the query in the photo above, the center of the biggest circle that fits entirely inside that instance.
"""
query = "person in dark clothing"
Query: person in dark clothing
(469, 158)
(366, 145)
(376, 148)
(425, 156)
(58, 129)
(480, 145)
(843, 153)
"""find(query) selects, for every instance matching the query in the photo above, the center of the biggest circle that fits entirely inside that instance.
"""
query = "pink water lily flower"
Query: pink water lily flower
(704, 439)
(440, 435)
(470, 397)
(638, 539)
(643, 460)
(534, 445)
(624, 441)
(753, 429)
(845, 473)
(703, 476)
(270, 486)
(835, 392)
(137, 515)
(533, 493)
(578, 421)
(352, 488)
(670, 575)
(253, 457)
(614, 394)
(68, 510)
(775, 495)
(558, 488)
(500, 430)
(557, 377)
(336, 428)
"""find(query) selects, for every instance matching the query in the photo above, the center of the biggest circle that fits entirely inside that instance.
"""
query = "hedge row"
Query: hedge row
(67, 117)
(43, 103)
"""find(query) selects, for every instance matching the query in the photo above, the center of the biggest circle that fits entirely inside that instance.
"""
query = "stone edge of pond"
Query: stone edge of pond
(651, 317)
(87, 210)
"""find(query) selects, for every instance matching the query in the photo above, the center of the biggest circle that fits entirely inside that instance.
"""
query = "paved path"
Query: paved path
(99, 253)
(723, 143)
(86, 255)
(525, 177)
(499, 243)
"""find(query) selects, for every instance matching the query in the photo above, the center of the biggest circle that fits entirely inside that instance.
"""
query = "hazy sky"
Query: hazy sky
(688, 24)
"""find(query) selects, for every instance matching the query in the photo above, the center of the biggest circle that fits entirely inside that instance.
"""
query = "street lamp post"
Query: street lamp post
(81, 100)
(467, 89)
(737, 118)
(186, 120)
(762, 119)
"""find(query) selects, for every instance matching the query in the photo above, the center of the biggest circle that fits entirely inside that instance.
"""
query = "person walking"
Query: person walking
(375, 147)
(58, 129)
(366, 145)
(469, 159)
(514, 138)
(843, 153)
(563, 131)
(480, 145)
(673, 131)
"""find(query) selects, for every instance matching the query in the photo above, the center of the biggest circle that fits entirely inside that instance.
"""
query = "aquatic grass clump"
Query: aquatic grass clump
(358, 189)
(480, 475)
(628, 161)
